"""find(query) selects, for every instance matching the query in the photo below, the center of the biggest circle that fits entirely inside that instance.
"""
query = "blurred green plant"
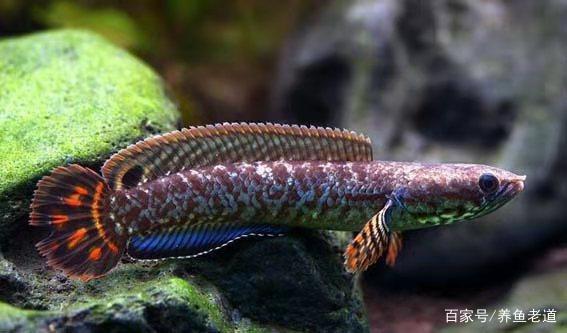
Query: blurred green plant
(217, 56)
(192, 30)
(245, 29)
(114, 24)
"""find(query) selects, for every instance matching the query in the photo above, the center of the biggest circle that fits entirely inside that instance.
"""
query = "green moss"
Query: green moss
(160, 304)
(69, 96)
(199, 301)
(12, 318)
(7, 311)
(163, 304)
(289, 283)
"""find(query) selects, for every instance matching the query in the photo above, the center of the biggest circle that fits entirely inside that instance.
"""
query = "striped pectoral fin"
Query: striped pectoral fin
(374, 240)
(394, 247)
(196, 240)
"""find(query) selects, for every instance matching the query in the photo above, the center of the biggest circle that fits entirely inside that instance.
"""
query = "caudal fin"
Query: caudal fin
(73, 203)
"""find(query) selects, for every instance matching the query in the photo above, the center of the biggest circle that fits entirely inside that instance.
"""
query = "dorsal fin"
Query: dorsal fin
(203, 146)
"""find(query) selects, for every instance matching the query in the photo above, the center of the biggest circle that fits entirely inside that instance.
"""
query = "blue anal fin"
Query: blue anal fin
(197, 240)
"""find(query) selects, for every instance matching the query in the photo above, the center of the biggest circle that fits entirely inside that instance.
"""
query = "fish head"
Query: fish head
(440, 194)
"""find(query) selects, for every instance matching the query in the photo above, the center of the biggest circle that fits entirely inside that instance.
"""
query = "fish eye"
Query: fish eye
(488, 183)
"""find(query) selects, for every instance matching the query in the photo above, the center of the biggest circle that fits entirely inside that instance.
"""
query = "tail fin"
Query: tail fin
(73, 203)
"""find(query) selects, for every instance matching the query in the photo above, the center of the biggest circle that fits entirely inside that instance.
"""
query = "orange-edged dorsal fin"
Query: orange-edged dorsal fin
(203, 146)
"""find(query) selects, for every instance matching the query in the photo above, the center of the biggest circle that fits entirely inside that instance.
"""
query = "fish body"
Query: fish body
(314, 194)
(190, 192)
(319, 195)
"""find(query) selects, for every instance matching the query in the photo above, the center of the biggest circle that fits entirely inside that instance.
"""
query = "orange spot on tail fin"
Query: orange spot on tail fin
(81, 190)
(95, 254)
(76, 237)
(73, 200)
(58, 218)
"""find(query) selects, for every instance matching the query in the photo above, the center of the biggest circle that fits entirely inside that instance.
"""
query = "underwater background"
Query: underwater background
(429, 81)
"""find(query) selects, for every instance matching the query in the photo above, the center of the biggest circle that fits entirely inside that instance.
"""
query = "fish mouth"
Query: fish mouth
(510, 190)
(515, 186)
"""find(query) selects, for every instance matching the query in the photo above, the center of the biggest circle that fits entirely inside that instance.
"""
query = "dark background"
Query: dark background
(445, 80)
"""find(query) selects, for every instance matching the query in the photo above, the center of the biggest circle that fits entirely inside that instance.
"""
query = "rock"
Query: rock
(160, 305)
(455, 80)
(69, 97)
(544, 293)
(297, 282)
(289, 283)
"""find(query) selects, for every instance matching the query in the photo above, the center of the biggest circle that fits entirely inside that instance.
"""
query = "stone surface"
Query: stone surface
(159, 305)
(544, 293)
(285, 284)
(69, 97)
(446, 81)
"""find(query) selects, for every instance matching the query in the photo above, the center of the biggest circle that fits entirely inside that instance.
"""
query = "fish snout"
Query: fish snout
(516, 185)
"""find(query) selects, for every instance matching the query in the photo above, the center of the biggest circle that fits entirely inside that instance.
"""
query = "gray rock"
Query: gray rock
(285, 284)
(541, 296)
(446, 81)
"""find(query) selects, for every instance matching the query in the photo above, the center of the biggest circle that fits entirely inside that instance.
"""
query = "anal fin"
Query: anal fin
(196, 240)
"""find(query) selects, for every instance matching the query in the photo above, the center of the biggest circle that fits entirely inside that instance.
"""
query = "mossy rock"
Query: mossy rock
(161, 305)
(69, 96)
(288, 284)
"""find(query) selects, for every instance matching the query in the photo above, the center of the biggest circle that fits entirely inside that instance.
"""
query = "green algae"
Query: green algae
(287, 284)
(69, 96)
(12, 318)
(164, 304)
(157, 302)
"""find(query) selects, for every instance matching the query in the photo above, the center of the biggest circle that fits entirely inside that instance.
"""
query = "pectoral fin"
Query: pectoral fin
(374, 240)
(394, 247)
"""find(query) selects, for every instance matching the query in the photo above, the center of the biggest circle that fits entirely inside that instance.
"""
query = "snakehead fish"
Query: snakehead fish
(189, 192)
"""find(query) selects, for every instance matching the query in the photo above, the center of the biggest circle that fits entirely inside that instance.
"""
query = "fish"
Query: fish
(190, 192)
